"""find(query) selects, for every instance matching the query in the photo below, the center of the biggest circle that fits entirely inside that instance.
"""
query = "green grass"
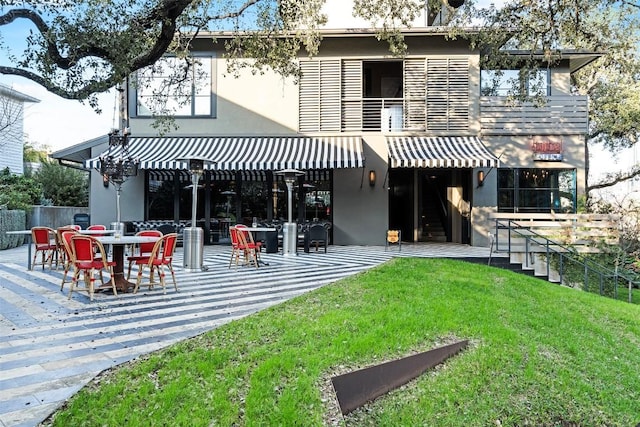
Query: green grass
(540, 354)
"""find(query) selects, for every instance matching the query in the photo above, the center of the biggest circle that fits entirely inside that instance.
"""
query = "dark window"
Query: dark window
(160, 195)
(382, 88)
(537, 190)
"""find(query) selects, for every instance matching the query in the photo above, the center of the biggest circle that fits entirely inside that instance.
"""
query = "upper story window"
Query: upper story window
(514, 82)
(382, 90)
(169, 87)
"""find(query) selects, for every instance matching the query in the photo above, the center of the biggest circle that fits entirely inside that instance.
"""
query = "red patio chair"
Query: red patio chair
(65, 252)
(143, 250)
(97, 227)
(242, 243)
(44, 239)
(161, 256)
(89, 256)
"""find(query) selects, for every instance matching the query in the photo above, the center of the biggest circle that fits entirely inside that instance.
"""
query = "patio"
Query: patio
(53, 346)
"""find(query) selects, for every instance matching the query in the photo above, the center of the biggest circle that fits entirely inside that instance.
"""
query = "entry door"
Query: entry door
(401, 202)
(430, 205)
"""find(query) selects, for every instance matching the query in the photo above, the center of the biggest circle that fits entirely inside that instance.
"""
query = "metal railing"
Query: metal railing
(570, 265)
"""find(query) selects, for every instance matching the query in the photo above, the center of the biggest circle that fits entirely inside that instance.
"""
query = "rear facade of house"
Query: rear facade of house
(423, 144)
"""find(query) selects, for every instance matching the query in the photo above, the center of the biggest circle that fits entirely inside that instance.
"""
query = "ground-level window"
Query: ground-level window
(161, 189)
(228, 197)
(537, 190)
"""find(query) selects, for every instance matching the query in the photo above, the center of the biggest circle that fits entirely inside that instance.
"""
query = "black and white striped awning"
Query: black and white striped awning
(157, 175)
(243, 153)
(439, 152)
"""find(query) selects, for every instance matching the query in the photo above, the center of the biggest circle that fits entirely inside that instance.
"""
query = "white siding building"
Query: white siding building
(11, 128)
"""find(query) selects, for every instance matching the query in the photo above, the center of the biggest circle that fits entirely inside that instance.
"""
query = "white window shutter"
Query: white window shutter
(447, 94)
(414, 94)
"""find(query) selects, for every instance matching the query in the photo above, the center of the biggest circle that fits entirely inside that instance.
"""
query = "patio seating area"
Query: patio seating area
(53, 346)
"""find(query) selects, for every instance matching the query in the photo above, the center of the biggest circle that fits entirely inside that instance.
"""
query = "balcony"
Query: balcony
(373, 114)
(560, 115)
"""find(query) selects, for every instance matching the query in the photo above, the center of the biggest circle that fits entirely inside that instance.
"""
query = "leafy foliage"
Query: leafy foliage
(18, 192)
(77, 49)
(63, 186)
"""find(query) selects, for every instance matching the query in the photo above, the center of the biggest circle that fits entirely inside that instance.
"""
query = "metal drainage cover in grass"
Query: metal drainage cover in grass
(356, 388)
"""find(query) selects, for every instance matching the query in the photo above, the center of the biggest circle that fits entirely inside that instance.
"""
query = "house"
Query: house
(11, 128)
(424, 143)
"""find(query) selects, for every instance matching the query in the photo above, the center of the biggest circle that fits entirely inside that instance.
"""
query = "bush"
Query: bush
(63, 186)
(11, 221)
(18, 192)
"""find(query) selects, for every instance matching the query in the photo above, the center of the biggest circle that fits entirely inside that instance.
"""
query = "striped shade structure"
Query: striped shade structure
(244, 153)
(439, 152)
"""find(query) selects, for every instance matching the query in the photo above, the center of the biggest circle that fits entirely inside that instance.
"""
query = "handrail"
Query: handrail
(561, 250)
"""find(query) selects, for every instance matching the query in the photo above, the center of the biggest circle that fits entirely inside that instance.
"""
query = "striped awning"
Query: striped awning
(157, 175)
(439, 152)
(243, 153)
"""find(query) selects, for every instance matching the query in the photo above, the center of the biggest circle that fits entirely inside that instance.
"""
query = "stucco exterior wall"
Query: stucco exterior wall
(250, 104)
(102, 201)
(516, 152)
(361, 212)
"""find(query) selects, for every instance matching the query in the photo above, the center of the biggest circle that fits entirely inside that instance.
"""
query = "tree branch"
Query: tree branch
(612, 179)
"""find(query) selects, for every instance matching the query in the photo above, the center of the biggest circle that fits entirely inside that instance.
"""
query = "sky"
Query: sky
(55, 123)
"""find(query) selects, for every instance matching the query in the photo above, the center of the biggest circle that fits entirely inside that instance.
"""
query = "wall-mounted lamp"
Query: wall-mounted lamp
(372, 178)
(480, 178)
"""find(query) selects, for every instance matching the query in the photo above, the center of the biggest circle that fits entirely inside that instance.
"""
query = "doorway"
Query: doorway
(430, 205)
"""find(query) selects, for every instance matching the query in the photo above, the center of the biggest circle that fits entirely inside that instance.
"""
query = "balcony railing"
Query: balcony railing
(373, 114)
(565, 114)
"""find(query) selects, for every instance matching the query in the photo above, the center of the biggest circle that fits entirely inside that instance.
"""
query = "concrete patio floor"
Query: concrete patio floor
(51, 346)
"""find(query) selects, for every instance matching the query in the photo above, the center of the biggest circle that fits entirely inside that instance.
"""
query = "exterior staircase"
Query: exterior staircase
(433, 230)
(539, 256)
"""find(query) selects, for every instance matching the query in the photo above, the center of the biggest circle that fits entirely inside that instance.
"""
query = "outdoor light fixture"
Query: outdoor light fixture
(480, 178)
(193, 239)
(290, 229)
(117, 165)
(372, 178)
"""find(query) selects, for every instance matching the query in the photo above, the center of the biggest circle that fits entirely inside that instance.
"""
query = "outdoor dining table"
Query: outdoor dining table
(270, 240)
(118, 243)
(97, 232)
(26, 233)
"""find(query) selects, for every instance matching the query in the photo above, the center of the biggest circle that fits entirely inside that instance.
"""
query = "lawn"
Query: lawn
(539, 354)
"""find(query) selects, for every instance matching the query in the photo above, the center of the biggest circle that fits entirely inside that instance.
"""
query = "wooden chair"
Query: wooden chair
(44, 239)
(250, 249)
(249, 239)
(235, 246)
(143, 251)
(65, 252)
(242, 244)
(97, 227)
(89, 256)
(161, 256)
(394, 237)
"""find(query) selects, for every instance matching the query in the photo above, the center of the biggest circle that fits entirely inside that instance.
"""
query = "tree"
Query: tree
(17, 191)
(63, 186)
(79, 48)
